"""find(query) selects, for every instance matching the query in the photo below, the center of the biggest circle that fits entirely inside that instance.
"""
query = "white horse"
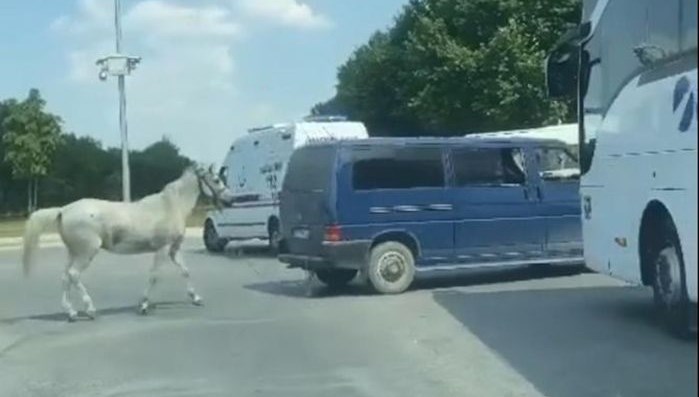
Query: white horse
(155, 223)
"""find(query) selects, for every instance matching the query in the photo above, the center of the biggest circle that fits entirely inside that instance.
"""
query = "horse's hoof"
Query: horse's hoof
(143, 308)
(197, 301)
(91, 314)
(72, 317)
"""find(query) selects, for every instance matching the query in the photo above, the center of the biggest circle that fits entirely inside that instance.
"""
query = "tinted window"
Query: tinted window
(608, 63)
(617, 40)
(688, 24)
(556, 163)
(310, 169)
(488, 167)
(397, 168)
(664, 25)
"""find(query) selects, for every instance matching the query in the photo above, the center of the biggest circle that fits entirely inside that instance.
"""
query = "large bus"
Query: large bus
(633, 66)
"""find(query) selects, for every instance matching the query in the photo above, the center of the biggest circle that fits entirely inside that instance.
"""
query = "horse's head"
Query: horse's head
(211, 185)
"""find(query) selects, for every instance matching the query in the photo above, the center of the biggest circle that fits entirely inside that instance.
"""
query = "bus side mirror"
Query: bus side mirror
(562, 73)
(563, 62)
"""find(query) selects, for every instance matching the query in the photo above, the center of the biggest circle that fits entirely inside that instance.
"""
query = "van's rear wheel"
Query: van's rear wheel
(335, 278)
(391, 268)
(669, 284)
(212, 241)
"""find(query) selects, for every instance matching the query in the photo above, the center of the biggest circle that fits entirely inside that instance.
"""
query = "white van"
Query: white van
(567, 133)
(567, 165)
(254, 169)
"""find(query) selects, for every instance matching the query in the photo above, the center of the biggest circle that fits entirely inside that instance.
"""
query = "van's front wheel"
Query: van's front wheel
(212, 241)
(391, 268)
(335, 278)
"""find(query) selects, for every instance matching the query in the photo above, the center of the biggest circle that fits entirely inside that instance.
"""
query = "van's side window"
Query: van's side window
(488, 167)
(557, 163)
(397, 168)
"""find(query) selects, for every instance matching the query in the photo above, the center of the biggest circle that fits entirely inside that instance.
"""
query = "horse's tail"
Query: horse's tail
(36, 224)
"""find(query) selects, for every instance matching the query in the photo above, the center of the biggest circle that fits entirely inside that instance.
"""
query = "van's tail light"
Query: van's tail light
(333, 233)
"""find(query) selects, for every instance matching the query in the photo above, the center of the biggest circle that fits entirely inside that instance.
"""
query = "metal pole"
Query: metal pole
(125, 172)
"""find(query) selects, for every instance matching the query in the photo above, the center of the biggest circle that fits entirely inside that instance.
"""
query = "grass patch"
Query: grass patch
(11, 227)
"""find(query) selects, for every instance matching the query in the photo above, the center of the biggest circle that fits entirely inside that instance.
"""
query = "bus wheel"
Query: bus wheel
(391, 268)
(212, 241)
(669, 285)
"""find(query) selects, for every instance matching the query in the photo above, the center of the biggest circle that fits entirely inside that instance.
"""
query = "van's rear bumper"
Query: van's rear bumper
(345, 254)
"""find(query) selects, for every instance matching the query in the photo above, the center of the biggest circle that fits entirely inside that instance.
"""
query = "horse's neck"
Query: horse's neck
(183, 194)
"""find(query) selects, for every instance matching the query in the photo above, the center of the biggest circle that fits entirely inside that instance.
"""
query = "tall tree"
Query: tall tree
(449, 67)
(31, 136)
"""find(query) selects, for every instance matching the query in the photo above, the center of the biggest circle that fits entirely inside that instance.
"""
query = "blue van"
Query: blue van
(389, 208)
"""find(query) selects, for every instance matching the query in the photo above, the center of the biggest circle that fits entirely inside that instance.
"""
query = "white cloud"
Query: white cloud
(291, 13)
(168, 20)
(185, 86)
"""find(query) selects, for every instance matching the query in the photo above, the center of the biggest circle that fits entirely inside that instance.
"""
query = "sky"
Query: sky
(210, 69)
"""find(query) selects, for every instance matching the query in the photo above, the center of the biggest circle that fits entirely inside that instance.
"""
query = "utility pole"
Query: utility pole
(120, 65)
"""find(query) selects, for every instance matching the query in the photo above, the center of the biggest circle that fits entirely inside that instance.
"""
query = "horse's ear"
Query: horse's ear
(211, 169)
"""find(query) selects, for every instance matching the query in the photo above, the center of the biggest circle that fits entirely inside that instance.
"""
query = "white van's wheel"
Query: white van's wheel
(391, 268)
(212, 241)
(670, 286)
(276, 241)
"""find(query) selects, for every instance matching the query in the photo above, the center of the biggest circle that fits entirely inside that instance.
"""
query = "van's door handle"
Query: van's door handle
(440, 207)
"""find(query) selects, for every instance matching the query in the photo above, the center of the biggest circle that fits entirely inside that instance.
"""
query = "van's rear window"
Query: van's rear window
(310, 169)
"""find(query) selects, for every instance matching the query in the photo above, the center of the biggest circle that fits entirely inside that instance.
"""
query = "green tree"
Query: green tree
(81, 168)
(449, 67)
(31, 135)
(155, 166)
(10, 199)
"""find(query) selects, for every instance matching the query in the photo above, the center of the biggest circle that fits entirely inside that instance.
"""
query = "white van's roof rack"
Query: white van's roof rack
(324, 119)
(267, 127)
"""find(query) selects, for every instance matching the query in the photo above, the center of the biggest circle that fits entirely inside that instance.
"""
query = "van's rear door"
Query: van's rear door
(305, 207)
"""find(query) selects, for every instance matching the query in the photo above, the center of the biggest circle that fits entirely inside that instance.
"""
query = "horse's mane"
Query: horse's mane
(171, 193)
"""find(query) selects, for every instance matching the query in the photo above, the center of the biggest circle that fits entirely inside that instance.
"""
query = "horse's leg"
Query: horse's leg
(177, 259)
(159, 257)
(65, 300)
(79, 266)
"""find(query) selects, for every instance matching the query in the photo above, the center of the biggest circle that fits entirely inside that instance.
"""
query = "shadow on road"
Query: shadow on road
(580, 342)
(62, 317)
(300, 289)
(234, 253)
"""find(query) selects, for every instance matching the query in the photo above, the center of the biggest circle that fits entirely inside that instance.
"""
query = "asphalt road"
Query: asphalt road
(532, 332)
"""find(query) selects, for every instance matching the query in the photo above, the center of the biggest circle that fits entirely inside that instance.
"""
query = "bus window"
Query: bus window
(688, 25)
(664, 27)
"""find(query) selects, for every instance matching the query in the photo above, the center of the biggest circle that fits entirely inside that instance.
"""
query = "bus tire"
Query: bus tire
(391, 268)
(669, 283)
(212, 241)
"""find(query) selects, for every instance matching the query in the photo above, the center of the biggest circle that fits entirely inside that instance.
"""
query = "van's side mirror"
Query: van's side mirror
(222, 174)
(563, 62)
